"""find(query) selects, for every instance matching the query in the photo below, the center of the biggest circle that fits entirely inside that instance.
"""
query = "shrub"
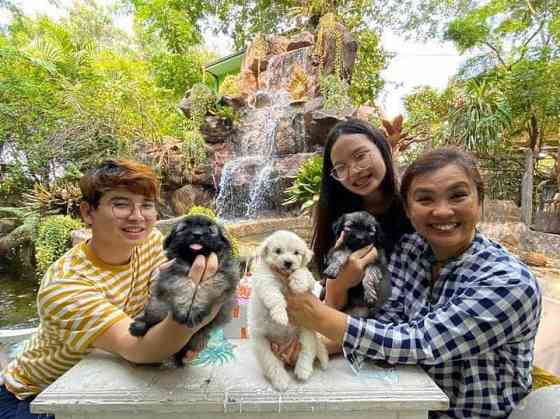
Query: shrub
(335, 92)
(53, 240)
(202, 99)
(230, 86)
(307, 185)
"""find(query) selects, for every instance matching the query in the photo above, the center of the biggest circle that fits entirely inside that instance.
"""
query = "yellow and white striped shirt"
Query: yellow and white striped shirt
(80, 297)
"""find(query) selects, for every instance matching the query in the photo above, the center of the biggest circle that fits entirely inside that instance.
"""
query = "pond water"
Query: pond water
(18, 307)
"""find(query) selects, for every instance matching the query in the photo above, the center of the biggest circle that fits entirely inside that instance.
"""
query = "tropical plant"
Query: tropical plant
(226, 112)
(61, 197)
(481, 118)
(53, 239)
(203, 100)
(335, 93)
(230, 86)
(193, 149)
(307, 185)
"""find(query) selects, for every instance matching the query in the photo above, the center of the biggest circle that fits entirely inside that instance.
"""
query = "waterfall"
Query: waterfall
(247, 185)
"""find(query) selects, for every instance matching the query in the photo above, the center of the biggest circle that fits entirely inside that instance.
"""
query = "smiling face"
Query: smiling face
(444, 208)
(360, 160)
(114, 238)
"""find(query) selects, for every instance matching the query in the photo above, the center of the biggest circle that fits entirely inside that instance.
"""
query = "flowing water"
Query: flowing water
(246, 187)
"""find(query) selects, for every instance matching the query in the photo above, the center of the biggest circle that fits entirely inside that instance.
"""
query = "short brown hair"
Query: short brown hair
(113, 174)
(437, 159)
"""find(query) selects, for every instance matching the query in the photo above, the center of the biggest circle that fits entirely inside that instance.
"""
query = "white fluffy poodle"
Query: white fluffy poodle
(282, 252)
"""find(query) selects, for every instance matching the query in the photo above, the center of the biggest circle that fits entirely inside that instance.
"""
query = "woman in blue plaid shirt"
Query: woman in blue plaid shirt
(461, 307)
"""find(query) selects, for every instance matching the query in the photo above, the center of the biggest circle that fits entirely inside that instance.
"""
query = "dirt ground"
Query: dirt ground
(547, 344)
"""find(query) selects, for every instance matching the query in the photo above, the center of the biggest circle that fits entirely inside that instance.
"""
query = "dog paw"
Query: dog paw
(303, 370)
(279, 379)
(180, 317)
(279, 315)
(138, 328)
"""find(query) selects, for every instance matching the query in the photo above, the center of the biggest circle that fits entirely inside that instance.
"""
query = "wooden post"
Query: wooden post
(527, 189)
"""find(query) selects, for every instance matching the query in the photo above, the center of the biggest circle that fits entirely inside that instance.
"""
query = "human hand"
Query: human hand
(287, 352)
(203, 268)
(301, 308)
(339, 241)
(352, 272)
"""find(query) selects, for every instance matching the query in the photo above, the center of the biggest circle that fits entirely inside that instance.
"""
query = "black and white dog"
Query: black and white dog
(361, 229)
(172, 290)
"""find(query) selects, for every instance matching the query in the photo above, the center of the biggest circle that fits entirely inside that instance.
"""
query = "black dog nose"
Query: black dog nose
(288, 263)
(197, 232)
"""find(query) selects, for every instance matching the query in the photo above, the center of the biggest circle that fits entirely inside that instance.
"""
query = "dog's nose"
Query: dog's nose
(288, 264)
(197, 232)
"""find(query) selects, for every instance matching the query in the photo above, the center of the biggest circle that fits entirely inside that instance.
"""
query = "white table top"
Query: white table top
(230, 381)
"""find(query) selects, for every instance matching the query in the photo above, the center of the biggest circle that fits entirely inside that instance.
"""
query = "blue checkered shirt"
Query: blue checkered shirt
(472, 330)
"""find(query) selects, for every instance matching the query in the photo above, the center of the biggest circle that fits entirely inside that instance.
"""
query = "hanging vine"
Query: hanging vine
(328, 27)
(260, 48)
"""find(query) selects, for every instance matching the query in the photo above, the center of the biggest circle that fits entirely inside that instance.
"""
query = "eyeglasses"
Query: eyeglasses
(360, 161)
(123, 209)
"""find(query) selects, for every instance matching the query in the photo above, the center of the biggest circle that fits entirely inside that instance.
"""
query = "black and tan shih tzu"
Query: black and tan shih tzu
(360, 230)
(173, 292)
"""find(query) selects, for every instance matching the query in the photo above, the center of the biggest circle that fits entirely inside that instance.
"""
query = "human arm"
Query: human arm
(162, 340)
(492, 309)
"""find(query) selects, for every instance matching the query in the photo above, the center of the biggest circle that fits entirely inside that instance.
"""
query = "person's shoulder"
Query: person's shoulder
(411, 241)
(492, 260)
(154, 242)
(73, 261)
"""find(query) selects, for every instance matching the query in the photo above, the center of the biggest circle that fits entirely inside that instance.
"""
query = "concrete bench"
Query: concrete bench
(231, 384)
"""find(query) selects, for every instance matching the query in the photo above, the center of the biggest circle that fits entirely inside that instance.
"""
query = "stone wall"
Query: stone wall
(519, 236)
(500, 211)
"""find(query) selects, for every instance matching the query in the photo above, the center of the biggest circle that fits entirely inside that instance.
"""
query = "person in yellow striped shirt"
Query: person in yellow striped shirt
(89, 297)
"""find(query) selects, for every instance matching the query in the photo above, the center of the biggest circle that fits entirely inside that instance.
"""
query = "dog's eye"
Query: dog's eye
(296, 252)
(277, 250)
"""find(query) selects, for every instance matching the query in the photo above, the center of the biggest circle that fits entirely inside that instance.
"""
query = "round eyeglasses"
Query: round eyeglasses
(124, 209)
(359, 161)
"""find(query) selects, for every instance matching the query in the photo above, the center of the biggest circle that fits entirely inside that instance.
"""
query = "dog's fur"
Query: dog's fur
(286, 252)
(361, 229)
(173, 291)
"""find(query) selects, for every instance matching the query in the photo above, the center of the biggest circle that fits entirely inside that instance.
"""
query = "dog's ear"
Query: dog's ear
(224, 235)
(338, 225)
(262, 249)
(170, 237)
(379, 236)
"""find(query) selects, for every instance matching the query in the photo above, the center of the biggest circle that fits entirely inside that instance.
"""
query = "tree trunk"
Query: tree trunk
(527, 189)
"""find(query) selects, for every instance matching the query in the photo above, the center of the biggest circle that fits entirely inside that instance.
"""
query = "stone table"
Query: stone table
(230, 384)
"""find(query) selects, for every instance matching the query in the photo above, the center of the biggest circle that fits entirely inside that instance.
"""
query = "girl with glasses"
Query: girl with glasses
(358, 174)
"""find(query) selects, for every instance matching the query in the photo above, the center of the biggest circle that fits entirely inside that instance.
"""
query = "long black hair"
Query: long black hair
(335, 200)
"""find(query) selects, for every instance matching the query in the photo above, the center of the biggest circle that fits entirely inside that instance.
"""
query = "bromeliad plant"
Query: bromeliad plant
(307, 185)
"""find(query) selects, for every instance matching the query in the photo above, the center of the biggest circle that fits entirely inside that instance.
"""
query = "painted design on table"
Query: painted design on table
(218, 351)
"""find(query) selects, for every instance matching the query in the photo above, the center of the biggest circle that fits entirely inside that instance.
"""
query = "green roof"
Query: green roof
(230, 64)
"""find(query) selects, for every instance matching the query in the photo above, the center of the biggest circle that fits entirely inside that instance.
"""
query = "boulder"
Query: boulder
(287, 139)
(216, 129)
(181, 200)
(301, 40)
(319, 122)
